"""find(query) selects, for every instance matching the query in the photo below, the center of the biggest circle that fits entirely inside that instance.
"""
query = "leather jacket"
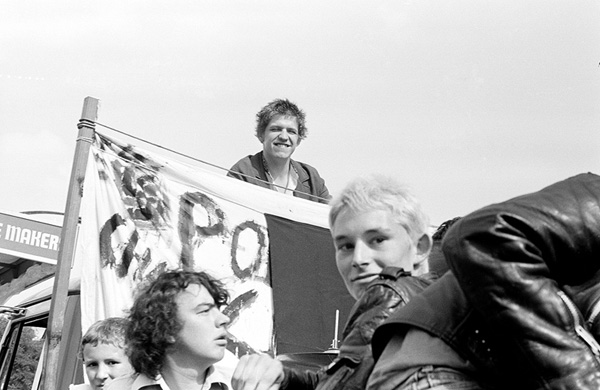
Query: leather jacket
(351, 368)
(522, 299)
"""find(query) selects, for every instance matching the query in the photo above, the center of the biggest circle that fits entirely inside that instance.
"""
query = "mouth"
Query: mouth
(222, 339)
(364, 278)
(282, 145)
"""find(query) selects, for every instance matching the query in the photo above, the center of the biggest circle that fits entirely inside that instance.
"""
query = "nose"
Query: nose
(102, 371)
(283, 134)
(361, 255)
(222, 320)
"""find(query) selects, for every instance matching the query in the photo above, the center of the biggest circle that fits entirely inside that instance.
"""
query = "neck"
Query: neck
(277, 166)
(184, 376)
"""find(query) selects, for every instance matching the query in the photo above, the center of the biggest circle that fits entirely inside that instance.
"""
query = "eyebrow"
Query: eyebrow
(370, 231)
(203, 305)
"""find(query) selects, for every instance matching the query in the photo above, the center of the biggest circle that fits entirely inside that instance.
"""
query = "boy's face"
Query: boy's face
(105, 362)
(367, 242)
(203, 335)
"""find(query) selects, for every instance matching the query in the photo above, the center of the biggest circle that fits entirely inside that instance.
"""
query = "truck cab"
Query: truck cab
(21, 353)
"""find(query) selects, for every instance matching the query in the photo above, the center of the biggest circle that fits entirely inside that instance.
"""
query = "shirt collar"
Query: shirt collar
(217, 378)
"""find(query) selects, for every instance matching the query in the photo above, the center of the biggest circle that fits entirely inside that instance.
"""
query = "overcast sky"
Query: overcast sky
(469, 102)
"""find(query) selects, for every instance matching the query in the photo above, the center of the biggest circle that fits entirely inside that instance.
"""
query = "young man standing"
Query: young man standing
(176, 336)
(280, 127)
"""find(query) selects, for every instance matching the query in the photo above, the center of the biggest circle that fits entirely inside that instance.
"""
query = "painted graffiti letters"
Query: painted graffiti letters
(255, 267)
(140, 236)
(193, 235)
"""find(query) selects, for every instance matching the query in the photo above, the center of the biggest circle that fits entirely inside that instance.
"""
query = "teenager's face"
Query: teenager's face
(203, 336)
(281, 137)
(105, 362)
(367, 242)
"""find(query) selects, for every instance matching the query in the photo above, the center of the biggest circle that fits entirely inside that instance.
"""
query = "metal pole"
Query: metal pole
(66, 250)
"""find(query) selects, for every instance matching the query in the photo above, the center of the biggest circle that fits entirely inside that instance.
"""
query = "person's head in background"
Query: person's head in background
(375, 223)
(176, 327)
(437, 261)
(103, 352)
(280, 127)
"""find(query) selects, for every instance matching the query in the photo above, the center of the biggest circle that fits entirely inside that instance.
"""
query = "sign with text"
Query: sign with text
(28, 238)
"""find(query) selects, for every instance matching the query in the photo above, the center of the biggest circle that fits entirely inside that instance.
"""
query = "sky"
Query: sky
(467, 102)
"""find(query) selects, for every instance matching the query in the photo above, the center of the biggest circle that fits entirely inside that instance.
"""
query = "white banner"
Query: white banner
(143, 213)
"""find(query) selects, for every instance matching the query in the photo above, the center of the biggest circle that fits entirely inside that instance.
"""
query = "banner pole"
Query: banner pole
(66, 251)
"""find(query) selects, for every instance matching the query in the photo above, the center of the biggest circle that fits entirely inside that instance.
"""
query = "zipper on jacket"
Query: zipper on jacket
(581, 331)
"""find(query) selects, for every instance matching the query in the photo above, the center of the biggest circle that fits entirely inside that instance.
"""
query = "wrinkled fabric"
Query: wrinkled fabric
(521, 300)
(530, 266)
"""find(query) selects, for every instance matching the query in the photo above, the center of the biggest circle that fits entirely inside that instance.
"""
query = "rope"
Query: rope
(198, 160)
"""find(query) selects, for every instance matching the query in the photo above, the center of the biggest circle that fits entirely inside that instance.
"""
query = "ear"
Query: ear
(424, 245)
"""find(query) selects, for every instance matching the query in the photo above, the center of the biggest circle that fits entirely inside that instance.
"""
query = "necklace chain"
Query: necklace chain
(289, 174)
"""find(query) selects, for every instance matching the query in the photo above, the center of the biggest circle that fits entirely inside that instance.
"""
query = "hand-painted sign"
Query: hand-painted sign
(143, 213)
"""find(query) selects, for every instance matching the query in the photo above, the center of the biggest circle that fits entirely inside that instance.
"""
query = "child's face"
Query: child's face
(104, 362)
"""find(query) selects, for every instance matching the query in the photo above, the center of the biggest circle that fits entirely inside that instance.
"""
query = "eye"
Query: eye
(293, 131)
(91, 364)
(345, 247)
(378, 240)
(205, 308)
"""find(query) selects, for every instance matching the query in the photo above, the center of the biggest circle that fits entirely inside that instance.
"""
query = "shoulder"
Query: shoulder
(393, 282)
(244, 162)
(121, 383)
(309, 169)
(311, 178)
(248, 164)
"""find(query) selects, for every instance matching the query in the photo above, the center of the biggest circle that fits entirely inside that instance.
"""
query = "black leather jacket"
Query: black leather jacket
(522, 300)
(351, 369)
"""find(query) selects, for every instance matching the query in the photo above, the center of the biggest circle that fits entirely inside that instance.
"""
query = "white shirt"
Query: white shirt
(218, 377)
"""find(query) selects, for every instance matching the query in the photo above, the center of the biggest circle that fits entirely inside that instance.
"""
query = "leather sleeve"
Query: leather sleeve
(513, 259)
(299, 380)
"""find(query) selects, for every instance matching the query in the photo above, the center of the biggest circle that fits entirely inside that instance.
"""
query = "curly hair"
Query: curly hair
(443, 228)
(153, 326)
(437, 260)
(280, 107)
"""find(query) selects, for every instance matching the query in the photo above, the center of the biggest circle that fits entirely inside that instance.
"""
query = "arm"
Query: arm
(262, 372)
(514, 262)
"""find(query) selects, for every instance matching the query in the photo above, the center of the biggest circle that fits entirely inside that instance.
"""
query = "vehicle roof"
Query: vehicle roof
(40, 291)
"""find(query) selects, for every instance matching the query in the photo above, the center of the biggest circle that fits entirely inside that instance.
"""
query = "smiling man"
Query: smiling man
(280, 128)
(176, 336)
